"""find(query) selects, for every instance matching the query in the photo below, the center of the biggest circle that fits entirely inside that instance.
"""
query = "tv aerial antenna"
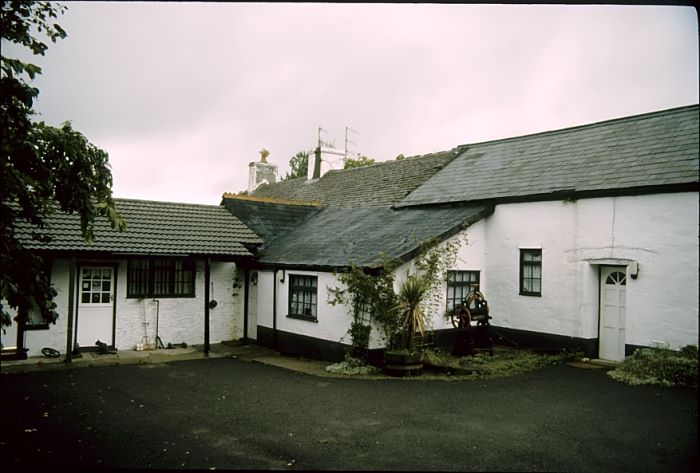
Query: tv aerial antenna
(322, 143)
(347, 139)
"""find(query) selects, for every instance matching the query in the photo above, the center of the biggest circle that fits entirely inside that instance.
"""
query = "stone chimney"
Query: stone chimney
(261, 172)
(323, 160)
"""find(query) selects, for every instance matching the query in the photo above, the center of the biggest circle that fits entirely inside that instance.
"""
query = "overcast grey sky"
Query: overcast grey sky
(183, 95)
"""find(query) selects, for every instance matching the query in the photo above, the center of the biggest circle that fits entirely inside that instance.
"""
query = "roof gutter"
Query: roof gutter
(563, 194)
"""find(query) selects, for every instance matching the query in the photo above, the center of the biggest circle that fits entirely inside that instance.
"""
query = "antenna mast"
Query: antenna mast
(322, 143)
(347, 140)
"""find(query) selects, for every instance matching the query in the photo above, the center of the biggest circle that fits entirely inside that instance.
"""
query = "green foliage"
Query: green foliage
(657, 366)
(352, 366)
(365, 289)
(412, 317)
(361, 161)
(401, 319)
(44, 169)
(505, 361)
(400, 157)
(434, 260)
(359, 334)
(298, 165)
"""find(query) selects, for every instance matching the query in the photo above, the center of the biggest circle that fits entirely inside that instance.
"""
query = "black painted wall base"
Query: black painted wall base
(293, 344)
(539, 341)
(300, 345)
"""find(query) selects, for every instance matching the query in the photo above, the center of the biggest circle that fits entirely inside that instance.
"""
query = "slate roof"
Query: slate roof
(654, 149)
(267, 217)
(153, 228)
(337, 237)
(379, 185)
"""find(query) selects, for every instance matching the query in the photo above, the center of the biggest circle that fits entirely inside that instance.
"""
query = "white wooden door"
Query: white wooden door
(613, 297)
(96, 305)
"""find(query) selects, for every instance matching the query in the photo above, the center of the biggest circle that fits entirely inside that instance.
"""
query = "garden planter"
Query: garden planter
(403, 364)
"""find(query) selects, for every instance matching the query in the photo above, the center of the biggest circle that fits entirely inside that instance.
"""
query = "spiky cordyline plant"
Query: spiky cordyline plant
(412, 318)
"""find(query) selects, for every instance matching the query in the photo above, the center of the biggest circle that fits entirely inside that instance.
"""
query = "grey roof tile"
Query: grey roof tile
(379, 185)
(152, 228)
(659, 148)
(269, 217)
(338, 237)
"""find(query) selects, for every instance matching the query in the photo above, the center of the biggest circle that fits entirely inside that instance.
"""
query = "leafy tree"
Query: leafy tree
(361, 161)
(298, 165)
(44, 169)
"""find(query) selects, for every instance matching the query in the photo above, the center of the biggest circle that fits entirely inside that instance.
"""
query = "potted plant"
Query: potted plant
(403, 357)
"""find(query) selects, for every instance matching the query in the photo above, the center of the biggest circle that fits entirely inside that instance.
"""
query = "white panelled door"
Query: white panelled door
(96, 305)
(613, 301)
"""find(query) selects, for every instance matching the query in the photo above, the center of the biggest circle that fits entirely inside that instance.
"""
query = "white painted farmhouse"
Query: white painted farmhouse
(585, 237)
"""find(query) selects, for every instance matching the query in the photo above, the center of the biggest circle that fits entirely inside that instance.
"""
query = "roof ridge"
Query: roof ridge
(148, 201)
(272, 200)
(397, 161)
(586, 125)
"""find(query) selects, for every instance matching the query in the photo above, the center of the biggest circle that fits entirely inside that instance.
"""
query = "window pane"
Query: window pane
(459, 285)
(302, 295)
(536, 272)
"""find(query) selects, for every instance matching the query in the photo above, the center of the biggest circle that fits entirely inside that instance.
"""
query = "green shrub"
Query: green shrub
(660, 367)
(505, 361)
(351, 366)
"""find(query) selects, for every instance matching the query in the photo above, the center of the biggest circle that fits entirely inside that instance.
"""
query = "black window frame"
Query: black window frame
(452, 282)
(363, 310)
(161, 278)
(530, 263)
(303, 285)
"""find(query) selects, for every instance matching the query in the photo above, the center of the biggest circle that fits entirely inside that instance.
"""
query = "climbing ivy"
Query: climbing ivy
(374, 288)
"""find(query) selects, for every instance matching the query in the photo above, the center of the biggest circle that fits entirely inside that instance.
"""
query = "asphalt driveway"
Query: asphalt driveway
(232, 414)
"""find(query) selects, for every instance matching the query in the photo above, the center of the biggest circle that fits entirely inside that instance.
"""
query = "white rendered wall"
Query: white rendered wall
(179, 319)
(55, 336)
(659, 231)
(333, 321)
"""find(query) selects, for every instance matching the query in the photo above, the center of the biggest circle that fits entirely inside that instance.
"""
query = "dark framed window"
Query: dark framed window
(363, 310)
(303, 297)
(459, 284)
(160, 278)
(531, 272)
(96, 285)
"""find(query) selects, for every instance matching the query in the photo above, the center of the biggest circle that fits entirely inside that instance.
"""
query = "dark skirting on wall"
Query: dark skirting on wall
(300, 345)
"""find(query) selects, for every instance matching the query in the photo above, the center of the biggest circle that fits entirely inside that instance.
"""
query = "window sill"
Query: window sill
(531, 294)
(301, 317)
